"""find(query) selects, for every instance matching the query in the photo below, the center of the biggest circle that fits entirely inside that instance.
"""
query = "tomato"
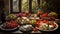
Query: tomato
(38, 24)
(14, 25)
(44, 15)
(45, 21)
(11, 24)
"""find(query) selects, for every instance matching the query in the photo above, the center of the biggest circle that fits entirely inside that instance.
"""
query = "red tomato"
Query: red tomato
(11, 24)
(45, 21)
(38, 24)
(44, 15)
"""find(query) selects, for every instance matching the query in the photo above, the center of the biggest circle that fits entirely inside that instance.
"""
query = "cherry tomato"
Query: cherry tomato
(38, 24)
(45, 21)
(44, 15)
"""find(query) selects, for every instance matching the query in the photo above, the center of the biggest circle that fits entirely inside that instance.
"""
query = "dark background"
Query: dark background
(55, 6)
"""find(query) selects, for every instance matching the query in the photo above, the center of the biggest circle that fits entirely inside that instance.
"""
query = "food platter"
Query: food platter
(29, 23)
(11, 17)
(56, 27)
(26, 28)
(1, 27)
(8, 29)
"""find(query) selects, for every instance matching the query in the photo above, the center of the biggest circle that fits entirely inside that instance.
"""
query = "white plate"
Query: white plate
(8, 29)
(52, 29)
